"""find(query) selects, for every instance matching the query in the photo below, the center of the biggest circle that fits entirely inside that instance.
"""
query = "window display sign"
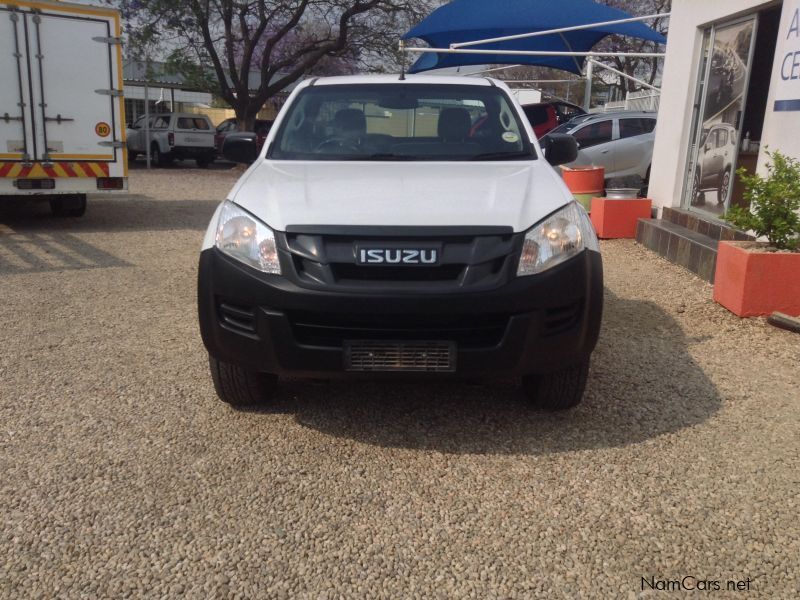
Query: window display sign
(721, 98)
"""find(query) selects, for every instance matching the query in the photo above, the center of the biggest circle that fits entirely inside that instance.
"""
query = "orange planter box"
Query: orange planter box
(617, 218)
(584, 180)
(751, 283)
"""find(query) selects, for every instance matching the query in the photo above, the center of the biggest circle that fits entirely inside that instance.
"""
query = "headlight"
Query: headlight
(243, 237)
(560, 236)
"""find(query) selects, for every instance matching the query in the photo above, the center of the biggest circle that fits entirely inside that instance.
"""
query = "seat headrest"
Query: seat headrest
(350, 119)
(454, 124)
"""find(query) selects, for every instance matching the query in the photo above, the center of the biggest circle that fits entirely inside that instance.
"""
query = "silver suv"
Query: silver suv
(173, 136)
(621, 142)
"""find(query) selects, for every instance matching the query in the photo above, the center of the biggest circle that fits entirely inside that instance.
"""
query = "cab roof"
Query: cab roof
(395, 79)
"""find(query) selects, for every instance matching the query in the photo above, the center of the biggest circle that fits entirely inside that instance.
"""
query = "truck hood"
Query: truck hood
(510, 194)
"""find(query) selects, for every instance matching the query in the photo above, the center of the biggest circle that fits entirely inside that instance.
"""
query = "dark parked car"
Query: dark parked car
(262, 127)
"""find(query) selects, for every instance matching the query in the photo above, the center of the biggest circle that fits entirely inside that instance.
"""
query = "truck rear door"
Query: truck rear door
(15, 115)
(72, 126)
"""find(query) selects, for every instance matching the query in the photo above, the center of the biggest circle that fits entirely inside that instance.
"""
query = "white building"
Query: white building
(731, 90)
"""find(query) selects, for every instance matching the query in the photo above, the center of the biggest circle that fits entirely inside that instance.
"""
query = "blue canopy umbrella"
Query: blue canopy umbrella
(470, 20)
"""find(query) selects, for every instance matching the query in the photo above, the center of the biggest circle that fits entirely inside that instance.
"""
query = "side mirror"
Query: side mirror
(559, 148)
(240, 147)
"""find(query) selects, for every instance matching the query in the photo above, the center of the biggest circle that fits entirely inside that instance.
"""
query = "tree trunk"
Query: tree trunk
(246, 115)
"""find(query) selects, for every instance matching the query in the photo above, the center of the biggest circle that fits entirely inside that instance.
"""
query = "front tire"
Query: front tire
(155, 155)
(645, 184)
(240, 387)
(559, 390)
(724, 184)
(698, 197)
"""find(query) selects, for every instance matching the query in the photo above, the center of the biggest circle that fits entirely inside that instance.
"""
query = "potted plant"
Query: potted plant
(759, 278)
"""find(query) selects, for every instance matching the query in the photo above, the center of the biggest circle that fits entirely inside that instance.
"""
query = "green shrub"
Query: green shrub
(774, 203)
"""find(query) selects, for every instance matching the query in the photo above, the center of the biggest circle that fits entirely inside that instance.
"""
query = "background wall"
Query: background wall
(782, 128)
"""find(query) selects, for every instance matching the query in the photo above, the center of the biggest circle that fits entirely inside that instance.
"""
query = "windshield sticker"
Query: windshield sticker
(510, 137)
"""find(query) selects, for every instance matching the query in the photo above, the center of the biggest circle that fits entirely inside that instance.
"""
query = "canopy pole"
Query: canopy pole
(521, 36)
(533, 52)
(587, 94)
(510, 81)
(402, 60)
(489, 70)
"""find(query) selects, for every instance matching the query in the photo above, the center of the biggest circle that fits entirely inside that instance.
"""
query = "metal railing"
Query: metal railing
(643, 100)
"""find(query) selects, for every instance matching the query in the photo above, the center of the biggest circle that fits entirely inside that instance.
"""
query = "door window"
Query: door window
(594, 134)
(192, 123)
(226, 126)
(633, 127)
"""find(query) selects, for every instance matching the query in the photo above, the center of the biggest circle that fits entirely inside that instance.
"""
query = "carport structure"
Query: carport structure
(527, 32)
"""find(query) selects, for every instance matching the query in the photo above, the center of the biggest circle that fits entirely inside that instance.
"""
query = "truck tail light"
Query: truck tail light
(110, 183)
(171, 138)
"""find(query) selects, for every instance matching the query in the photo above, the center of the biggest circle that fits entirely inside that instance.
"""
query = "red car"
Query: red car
(546, 116)
(262, 127)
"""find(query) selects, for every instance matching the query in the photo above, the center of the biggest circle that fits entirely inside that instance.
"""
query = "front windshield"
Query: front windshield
(401, 122)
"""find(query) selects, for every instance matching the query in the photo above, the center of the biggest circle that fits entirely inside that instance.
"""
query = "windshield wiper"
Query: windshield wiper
(378, 156)
(390, 156)
(503, 155)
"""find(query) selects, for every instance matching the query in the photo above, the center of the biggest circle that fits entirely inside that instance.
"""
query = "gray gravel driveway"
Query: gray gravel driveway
(122, 475)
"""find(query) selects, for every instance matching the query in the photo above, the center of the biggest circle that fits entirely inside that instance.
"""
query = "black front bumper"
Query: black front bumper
(533, 324)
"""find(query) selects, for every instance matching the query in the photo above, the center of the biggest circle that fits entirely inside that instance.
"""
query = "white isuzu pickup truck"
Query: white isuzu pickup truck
(400, 226)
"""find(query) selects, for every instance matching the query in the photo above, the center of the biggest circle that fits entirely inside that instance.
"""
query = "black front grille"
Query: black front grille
(331, 330)
(399, 356)
(473, 261)
(343, 272)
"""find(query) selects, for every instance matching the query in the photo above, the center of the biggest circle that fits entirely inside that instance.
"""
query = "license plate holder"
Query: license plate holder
(400, 356)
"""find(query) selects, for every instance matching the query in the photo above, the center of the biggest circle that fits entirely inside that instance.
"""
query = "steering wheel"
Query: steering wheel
(337, 143)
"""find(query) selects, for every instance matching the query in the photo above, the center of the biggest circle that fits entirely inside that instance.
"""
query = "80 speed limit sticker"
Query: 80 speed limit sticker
(102, 129)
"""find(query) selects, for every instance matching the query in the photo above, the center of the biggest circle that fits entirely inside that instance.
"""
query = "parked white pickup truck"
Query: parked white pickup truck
(173, 136)
(377, 232)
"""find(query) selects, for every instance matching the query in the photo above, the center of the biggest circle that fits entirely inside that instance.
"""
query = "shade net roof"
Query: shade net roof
(470, 20)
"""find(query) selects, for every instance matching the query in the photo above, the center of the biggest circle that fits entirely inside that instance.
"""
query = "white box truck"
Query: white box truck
(62, 112)
(527, 96)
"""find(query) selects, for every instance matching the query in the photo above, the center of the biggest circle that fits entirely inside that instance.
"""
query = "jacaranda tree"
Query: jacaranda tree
(250, 50)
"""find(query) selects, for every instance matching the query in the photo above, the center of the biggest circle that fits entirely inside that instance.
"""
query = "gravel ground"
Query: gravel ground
(123, 475)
